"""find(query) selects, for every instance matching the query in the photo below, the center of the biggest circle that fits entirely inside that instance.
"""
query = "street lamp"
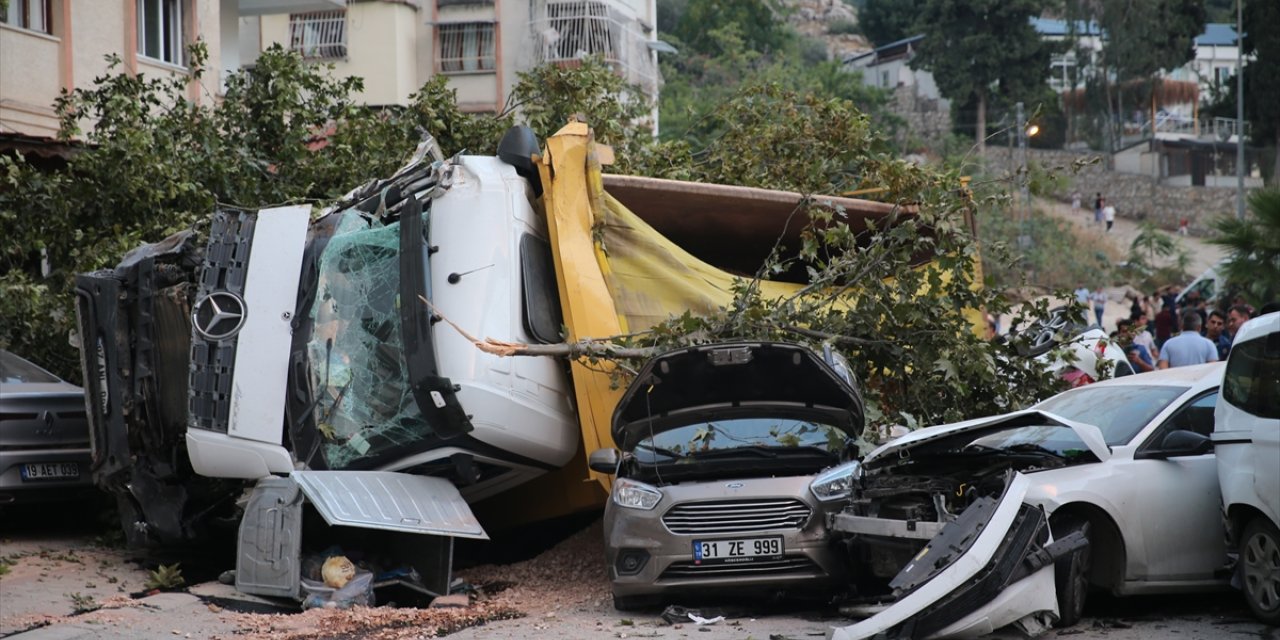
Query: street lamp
(1025, 131)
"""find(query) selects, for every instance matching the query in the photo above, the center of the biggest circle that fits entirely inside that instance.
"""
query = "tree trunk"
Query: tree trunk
(982, 124)
(1275, 168)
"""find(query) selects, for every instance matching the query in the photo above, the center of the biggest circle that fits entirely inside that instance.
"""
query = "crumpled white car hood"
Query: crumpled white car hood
(1088, 433)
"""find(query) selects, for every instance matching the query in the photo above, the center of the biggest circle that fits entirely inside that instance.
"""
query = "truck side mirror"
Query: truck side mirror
(517, 148)
(603, 461)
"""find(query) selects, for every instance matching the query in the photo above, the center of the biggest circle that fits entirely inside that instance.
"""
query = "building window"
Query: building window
(320, 34)
(160, 30)
(28, 14)
(580, 28)
(466, 47)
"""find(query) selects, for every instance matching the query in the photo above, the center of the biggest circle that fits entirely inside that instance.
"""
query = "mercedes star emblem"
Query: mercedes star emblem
(219, 315)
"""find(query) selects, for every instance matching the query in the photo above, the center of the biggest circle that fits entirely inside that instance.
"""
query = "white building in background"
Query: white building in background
(47, 46)
(397, 45)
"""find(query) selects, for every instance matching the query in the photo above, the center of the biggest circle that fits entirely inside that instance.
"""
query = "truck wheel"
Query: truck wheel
(1071, 576)
(1260, 566)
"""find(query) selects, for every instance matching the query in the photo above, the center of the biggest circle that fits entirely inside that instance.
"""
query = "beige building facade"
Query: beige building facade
(480, 45)
(47, 46)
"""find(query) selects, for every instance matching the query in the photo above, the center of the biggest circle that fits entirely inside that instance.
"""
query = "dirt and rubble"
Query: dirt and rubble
(62, 585)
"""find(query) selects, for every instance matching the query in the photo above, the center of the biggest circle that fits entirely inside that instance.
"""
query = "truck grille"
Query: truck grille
(797, 564)
(212, 361)
(732, 516)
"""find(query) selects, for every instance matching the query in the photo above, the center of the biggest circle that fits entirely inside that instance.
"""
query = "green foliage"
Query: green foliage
(288, 132)
(1262, 75)
(1059, 256)
(758, 22)
(81, 603)
(979, 48)
(697, 86)
(619, 115)
(1148, 37)
(841, 27)
(165, 577)
(885, 21)
(1253, 245)
(154, 163)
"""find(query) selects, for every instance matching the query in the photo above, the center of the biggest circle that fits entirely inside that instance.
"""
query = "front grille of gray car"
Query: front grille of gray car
(735, 516)
(795, 564)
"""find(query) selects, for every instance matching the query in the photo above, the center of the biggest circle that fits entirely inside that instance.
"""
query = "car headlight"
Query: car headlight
(635, 495)
(836, 483)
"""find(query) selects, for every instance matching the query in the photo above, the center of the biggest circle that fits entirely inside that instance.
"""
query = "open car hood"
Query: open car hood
(697, 383)
(1088, 433)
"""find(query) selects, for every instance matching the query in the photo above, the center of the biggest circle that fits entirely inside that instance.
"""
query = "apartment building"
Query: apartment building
(397, 45)
(47, 46)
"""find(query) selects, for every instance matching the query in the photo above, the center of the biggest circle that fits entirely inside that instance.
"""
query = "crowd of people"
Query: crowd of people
(1162, 331)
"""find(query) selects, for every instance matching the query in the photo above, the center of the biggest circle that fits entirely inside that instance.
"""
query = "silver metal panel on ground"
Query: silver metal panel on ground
(270, 543)
(390, 501)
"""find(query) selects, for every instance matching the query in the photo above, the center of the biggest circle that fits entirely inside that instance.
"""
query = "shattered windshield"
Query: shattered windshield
(741, 436)
(364, 404)
(1120, 412)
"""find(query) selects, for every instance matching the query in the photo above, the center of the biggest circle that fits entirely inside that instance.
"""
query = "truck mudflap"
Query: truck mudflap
(991, 567)
(394, 519)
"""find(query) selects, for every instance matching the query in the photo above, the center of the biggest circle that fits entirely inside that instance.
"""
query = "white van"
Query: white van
(1247, 439)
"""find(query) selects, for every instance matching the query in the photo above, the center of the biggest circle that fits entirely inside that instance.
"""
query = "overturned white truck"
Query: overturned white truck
(300, 355)
(269, 360)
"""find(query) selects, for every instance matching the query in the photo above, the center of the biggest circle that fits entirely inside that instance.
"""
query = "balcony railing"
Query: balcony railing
(320, 35)
(566, 31)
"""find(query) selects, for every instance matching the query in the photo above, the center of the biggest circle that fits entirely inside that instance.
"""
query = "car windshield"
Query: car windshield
(741, 436)
(1120, 411)
(1055, 440)
(15, 370)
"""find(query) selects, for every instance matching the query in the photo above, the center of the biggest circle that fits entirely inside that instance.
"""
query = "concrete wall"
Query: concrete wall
(1136, 197)
(381, 48)
(27, 90)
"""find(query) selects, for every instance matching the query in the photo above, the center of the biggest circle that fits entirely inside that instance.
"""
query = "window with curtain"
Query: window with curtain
(161, 35)
(466, 47)
(320, 34)
(28, 14)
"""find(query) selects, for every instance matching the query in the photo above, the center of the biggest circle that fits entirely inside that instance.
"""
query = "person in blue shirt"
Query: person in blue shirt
(1189, 347)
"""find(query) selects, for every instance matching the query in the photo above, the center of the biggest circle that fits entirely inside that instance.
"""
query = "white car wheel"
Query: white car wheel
(1260, 563)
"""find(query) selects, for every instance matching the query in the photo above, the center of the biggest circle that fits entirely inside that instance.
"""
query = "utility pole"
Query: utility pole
(1240, 109)
(1024, 235)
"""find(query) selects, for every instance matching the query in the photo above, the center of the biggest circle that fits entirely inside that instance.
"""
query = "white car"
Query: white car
(1247, 436)
(1013, 519)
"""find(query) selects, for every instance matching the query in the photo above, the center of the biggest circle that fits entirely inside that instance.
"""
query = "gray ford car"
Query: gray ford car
(732, 455)
(44, 438)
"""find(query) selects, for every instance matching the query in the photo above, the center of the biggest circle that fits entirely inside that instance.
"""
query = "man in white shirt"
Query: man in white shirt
(1109, 215)
(1143, 337)
(1189, 347)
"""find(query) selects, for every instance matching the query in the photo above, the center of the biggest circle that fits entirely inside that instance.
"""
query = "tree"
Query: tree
(1262, 75)
(979, 47)
(1253, 245)
(885, 21)
(287, 132)
(758, 21)
(1145, 38)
